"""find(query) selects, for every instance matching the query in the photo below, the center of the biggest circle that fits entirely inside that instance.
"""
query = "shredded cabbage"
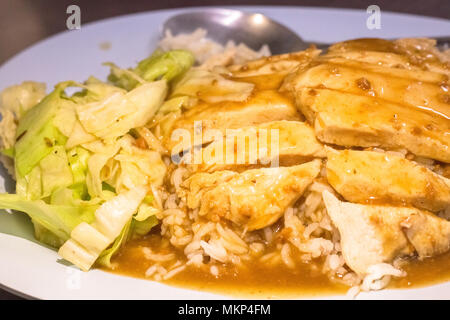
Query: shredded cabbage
(20, 98)
(7, 129)
(105, 257)
(89, 240)
(141, 224)
(167, 65)
(58, 219)
(55, 171)
(141, 228)
(119, 113)
(36, 133)
(80, 175)
(78, 159)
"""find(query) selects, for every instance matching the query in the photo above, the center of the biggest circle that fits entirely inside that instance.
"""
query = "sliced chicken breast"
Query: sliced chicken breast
(263, 106)
(378, 234)
(269, 144)
(373, 92)
(419, 53)
(274, 64)
(374, 177)
(269, 72)
(422, 90)
(353, 120)
(254, 198)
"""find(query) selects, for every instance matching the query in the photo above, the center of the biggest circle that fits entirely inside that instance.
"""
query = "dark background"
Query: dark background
(24, 22)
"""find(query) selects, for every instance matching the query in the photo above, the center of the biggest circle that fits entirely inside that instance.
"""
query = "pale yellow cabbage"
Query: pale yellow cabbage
(141, 169)
(33, 189)
(170, 111)
(95, 165)
(55, 171)
(137, 167)
(79, 136)
(14, 102)
(110, 171)
(145, 211)
(20, 98)
(119, 113)
(166, 124)
(89, 240)
(65, 119)
(8, 129)
(152, 142)
(113, 214)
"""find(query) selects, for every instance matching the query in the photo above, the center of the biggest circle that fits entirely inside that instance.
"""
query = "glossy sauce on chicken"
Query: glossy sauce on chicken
(376, 109)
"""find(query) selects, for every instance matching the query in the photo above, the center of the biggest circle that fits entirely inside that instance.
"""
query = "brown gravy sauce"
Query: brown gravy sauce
(258, 281)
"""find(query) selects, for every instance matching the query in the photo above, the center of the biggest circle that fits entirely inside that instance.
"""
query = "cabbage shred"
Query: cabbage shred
(80, 175)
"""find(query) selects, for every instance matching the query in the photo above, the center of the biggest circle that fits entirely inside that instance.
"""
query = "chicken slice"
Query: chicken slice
(397, 62)
(374, 177)
(255, 198)
(274, 64)
(279, 142)
(373, 92)
(378, 234)
(419, 53)
(427, 233)
(374, 59)
(263, 106)
(353, 120)
(269, 72)
(417, 89)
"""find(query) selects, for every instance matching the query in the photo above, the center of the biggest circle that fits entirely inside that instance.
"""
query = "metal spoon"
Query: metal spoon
(253, 29)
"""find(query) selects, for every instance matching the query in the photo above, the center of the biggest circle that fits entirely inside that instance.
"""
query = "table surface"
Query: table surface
(24, 22)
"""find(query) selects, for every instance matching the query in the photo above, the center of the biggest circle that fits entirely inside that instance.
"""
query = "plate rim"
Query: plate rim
(254, 8)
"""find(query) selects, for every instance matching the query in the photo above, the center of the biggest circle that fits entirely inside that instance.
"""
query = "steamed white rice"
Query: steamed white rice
(305, 234)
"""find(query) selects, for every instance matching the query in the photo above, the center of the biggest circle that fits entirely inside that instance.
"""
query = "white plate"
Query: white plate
(34, 270)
